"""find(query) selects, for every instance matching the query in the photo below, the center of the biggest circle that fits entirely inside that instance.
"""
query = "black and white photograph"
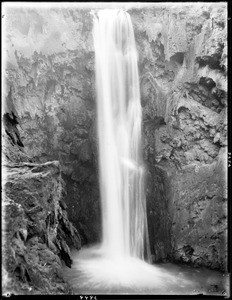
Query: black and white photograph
(114, 149)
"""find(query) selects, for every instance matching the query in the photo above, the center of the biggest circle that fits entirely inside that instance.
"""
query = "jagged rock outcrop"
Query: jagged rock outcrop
(183, 69)
(50, 88)
(36, 231)
(183, 74)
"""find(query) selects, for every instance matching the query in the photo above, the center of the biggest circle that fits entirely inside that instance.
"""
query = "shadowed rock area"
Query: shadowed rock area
(37, 233)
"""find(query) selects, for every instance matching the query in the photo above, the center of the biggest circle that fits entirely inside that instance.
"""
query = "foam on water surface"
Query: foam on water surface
(95, 273)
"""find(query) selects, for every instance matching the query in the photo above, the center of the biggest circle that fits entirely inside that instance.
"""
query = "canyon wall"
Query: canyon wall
(50, 87)
(37, 234)
(183, 70)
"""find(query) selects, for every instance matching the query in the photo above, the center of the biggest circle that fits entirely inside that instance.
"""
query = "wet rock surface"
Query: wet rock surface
(159, 221)
(36, 230)
(182, 60)
(183, 74)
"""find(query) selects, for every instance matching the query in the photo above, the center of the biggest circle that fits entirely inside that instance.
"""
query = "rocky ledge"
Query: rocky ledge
(37, 234)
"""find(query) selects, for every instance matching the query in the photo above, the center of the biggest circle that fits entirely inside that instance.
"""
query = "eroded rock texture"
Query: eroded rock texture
(36, 231)
(50, 88)
(182, 63)
(183, 71)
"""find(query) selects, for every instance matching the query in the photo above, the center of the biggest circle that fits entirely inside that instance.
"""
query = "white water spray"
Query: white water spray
(125, 231)
(118, 265)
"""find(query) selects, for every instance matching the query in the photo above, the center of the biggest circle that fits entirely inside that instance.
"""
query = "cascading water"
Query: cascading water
(119, 265)
(119, 130)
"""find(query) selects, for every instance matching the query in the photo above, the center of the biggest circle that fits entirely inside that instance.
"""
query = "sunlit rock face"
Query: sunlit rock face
(182, 63)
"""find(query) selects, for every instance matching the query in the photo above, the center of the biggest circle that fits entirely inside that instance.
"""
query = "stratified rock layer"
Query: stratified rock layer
(36, 230)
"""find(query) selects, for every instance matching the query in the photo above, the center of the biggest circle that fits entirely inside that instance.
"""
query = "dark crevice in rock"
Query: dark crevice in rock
(153, 123)
(188, 250)
(182, 109)
(178, 58)
(221, 24)
(206, 14)
(158, 216)
(10, 123)
(207, 82)
(158, 50)
(214, 61)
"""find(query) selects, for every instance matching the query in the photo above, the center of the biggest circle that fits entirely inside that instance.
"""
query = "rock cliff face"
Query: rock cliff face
(36, 233)
(183, 71)
(50, 86)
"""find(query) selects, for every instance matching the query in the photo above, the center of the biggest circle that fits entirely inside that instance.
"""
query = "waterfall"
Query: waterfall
(119, 264)
(119, 115)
